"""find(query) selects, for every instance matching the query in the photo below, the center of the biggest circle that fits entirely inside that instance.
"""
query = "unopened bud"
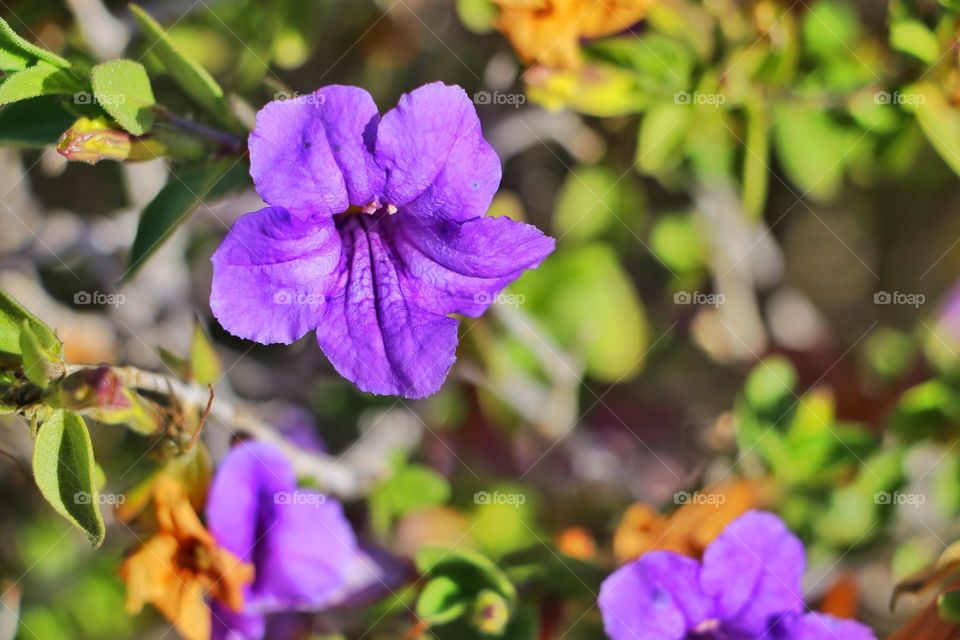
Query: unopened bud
(93, 140)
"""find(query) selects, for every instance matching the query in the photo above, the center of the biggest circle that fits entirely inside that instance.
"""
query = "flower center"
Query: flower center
(371, 208)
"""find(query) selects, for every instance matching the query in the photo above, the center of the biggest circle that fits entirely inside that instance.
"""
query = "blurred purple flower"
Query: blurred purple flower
(305, 554)
(375, 234)
(747, 587)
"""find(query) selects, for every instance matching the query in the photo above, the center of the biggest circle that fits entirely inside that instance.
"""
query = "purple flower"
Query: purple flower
(746, 588)
(375, 234)
(304, 552)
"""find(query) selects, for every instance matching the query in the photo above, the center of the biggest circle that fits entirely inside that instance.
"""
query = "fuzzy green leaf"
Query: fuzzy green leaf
(123, 89)
(17, 54)
(63, 468)
(40, 80)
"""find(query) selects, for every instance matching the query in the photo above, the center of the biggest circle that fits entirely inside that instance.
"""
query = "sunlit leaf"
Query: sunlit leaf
(63, 468)
(123, 89)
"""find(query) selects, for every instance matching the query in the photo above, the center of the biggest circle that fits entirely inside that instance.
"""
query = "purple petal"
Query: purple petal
(453, 267)
(302, 546)
(230, 625)
(272, 275)
(657, 597)
(819, 626)
(372, 334)
(437, 161)
(313, 153)
(753, 570)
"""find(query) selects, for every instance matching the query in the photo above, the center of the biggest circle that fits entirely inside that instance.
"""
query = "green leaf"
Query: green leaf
(587, 301)
(769, 387)
(812, 148)
(17, 54)
(830, 28)
(205, 366)
(37, 122)
(940, 122)
(34, 359)
(188, 74)
(679, 242)
(123, 89)
(948, 604)
(40, 80)
(478, 16)
(63, 468)
(441, 601)
(914, 38)
(471, 571)
(661, 134)
(587, 203)
(12, 317)
(182, 194)
(411, 487)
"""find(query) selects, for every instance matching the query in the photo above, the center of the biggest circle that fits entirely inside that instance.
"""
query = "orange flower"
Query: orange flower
(180, 565)
(690, 529)
(549, 31)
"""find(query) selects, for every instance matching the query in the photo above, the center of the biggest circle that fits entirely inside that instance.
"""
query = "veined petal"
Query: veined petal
(272, 275)
(372, 334)
(460, 267)
(299, 541)
(437, 161)
(753, 570)
(657, 597)
(313, 154)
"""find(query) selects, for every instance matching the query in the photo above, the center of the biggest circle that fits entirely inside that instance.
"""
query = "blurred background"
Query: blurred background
(756, 206)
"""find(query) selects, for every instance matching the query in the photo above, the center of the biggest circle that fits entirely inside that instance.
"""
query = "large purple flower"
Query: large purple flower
(746, 588)
(304, 553)
(375, 233)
